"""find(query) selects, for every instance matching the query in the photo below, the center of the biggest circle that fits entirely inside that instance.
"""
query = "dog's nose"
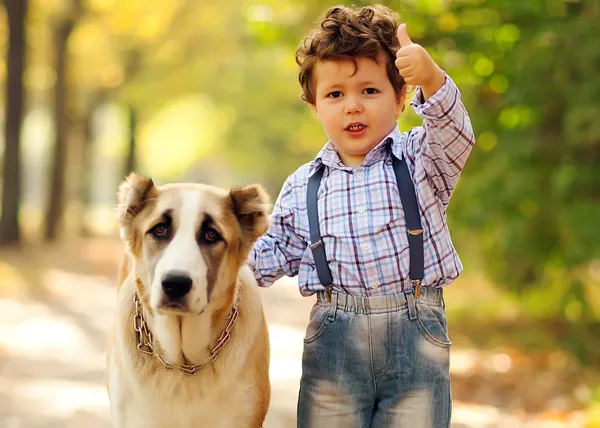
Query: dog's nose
(176, 285)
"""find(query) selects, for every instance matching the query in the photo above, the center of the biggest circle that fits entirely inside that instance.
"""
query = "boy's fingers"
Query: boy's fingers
(403, 37)
(403, 52)
(406, 73)
(402, 62)
(408, 76)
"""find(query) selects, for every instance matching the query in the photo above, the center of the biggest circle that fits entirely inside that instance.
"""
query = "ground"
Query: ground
(57, 302)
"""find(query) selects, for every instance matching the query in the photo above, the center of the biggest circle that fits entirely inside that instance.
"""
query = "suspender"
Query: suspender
(413, 223)
(316, 244)
(408, 198)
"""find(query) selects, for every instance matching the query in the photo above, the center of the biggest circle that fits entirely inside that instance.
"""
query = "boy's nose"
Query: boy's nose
(353, 105)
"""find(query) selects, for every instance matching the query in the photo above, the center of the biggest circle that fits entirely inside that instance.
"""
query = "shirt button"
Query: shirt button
(362, 210)
(372, 278)
(366, 246)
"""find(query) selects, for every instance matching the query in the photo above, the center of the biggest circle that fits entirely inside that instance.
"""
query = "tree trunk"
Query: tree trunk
(88, 149)
(57, 183)
(130, 163)
(11, 191)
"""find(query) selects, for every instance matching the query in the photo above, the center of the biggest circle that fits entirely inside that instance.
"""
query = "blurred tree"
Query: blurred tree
(534, 175)
(135, 42)
(11, 191)
(130, 162)
(63, 25)
(84, 191)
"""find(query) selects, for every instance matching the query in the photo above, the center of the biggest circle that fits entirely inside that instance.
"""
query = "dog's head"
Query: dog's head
(188, 240)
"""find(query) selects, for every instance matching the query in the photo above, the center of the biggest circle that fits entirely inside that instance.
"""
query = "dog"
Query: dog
(190, 345)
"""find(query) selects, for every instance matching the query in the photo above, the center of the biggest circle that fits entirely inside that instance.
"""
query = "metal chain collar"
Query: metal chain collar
(145, 342)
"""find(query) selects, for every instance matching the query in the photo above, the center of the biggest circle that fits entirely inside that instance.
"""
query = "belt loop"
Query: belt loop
(333, 306)
(442, 301)
(412, 308)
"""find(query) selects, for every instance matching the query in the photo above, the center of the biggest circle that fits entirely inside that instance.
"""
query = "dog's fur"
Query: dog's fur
(205, 234)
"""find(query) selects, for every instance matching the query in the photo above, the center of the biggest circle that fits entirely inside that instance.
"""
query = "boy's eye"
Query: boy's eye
(334, 94)
(371, 91)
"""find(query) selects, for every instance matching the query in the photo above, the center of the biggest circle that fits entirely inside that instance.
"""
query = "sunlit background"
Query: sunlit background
(187, 90)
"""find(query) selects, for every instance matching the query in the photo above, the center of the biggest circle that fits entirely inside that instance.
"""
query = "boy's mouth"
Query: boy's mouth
(355, 127)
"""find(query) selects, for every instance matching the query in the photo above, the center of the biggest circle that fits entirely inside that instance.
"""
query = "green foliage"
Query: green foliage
(532, 189)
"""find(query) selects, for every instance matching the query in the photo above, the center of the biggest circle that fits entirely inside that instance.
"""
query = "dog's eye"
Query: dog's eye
(211, 235)
(160, 230)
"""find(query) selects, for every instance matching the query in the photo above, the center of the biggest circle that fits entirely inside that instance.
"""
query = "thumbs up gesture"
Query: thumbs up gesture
(416, 65)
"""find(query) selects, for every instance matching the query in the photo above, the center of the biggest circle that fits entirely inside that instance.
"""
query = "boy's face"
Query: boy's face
(357, 106)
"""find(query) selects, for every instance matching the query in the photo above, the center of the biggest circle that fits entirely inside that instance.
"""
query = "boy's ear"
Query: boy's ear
(400, 102)
(314, 107)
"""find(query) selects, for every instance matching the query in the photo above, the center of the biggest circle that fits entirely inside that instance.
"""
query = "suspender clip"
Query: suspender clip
(416, 287)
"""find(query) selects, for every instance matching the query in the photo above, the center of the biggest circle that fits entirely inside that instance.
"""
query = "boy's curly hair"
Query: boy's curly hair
(345, 34)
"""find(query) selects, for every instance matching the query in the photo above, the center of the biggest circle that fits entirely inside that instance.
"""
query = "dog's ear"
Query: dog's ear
(250, 205)
(134, 194)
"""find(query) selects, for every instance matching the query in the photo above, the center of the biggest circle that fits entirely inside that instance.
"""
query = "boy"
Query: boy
(364, 226)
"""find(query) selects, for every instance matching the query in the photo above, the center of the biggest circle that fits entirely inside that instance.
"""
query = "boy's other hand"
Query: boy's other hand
(416, 65)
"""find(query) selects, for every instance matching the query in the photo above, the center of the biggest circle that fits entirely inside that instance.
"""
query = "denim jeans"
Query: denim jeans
(376, 362)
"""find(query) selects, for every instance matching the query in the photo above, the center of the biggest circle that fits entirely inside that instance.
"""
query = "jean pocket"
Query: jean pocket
(433, 324)
(316, 323)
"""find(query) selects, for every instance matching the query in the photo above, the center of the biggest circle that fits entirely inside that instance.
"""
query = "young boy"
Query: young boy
(364, 226)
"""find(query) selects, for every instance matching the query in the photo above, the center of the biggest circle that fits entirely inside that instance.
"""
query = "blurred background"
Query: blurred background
(186, 90)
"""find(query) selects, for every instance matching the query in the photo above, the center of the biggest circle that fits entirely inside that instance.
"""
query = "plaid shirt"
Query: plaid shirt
(361, 218)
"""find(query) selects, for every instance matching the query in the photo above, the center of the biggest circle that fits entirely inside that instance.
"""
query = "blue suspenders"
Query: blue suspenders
(413, 223)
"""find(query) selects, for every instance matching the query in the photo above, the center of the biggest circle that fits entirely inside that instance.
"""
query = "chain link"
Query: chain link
(145, 342)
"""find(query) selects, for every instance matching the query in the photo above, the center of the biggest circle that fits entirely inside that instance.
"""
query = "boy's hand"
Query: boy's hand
(416, 66)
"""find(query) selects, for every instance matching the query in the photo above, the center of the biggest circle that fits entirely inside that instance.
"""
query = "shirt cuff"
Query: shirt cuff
(251, 263)
(440, 104)
(251, 260)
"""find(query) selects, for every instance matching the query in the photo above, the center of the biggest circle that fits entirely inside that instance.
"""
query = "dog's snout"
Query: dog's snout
(176, 285)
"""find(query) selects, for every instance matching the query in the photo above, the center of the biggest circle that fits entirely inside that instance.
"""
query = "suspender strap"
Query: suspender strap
(411, 212)
(408, 198)
(316, 243)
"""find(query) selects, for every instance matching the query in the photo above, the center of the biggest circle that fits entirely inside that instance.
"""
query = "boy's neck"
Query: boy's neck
(353, 161)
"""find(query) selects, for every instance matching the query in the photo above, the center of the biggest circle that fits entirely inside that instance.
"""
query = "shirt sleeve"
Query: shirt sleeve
(280, 250)
(446, 138)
